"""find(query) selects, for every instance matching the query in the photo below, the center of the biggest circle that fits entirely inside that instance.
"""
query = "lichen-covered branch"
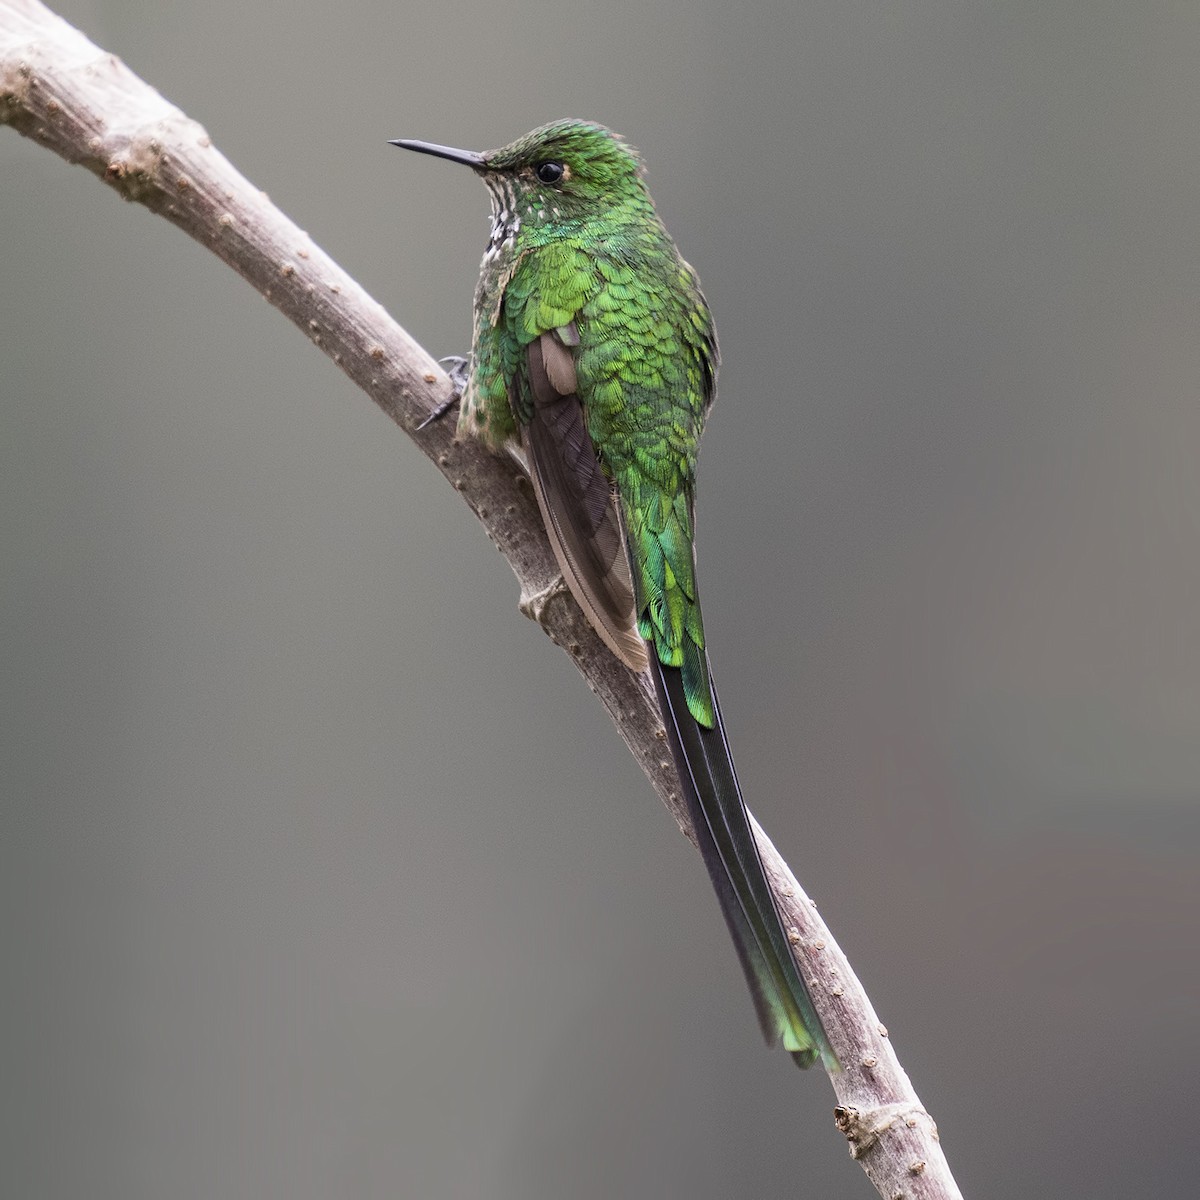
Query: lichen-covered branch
(65, 93)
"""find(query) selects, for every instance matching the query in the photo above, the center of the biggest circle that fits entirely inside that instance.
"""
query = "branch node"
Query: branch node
(533, 604)
(864, 1129)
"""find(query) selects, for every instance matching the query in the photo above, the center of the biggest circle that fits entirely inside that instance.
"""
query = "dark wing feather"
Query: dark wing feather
(576, 498)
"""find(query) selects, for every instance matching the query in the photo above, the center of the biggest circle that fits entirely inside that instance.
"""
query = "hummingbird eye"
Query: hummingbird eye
(549, 172)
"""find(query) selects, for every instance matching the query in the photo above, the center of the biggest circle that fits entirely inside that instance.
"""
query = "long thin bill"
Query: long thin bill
(470, 157)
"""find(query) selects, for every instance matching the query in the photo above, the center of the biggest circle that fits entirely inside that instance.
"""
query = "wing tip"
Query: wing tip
(817, 1050)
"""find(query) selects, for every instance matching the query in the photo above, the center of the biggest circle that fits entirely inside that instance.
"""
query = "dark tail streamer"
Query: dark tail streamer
(727, 845)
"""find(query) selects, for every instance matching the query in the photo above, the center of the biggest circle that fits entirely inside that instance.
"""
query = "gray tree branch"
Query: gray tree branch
(81, 102)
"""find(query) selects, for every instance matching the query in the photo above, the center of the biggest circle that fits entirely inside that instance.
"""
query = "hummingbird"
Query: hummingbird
(595, 355)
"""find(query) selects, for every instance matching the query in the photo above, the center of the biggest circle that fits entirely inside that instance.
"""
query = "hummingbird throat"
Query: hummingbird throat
(513, 205)
(506, 220)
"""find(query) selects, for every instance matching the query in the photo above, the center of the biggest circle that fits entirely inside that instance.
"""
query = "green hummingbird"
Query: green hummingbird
(594, 353)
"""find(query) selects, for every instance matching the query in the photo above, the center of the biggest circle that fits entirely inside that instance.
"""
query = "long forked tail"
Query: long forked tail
(726, 841)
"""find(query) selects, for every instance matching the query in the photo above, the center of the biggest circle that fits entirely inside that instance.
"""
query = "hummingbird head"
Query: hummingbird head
(558, 174)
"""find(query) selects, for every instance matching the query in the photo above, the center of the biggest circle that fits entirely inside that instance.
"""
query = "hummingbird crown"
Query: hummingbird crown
(573, 156)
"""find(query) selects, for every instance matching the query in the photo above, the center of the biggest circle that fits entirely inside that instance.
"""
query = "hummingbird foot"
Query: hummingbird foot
(459, 370)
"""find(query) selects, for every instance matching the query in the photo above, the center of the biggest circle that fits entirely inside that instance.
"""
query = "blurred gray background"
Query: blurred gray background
(322, 872)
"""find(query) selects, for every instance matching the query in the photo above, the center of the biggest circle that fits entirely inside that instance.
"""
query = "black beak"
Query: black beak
(470, 157)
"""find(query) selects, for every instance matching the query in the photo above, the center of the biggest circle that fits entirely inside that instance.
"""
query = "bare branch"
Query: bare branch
(60, 90)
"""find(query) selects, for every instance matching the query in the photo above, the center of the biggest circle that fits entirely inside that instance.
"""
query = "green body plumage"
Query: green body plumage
(595, 352)
(646, 358)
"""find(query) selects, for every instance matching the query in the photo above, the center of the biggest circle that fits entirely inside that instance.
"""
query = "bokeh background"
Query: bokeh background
(324, 875)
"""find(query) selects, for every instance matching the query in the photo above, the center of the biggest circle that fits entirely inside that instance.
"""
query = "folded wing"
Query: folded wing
(576, 498)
